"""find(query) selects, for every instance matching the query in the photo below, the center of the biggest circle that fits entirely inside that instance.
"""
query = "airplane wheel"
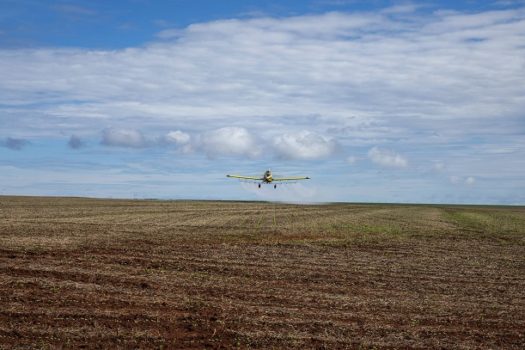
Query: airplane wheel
(259, 185)
(274, 186)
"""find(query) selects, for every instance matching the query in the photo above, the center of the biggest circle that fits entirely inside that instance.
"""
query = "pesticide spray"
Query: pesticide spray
(294, 193)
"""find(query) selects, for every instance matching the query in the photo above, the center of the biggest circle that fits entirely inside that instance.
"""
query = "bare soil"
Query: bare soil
(86, 273)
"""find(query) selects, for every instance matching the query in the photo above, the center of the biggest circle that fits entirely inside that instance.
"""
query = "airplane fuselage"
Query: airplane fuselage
(267, 177)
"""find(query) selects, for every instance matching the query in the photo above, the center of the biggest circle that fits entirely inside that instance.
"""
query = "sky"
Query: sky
(376, 101)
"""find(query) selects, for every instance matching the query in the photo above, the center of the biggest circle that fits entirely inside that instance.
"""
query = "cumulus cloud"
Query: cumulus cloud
(123, 138)
(75, 142)
(177, 137)
(304, 145)
(420, 80)
(229, 141)
(183, 141)
(14, 143)
(387, 158)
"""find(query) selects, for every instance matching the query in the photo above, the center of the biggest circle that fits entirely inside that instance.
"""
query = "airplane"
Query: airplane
(268, 178)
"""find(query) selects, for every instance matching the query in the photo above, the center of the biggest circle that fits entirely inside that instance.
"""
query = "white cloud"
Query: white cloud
(425, 67)
(74, 10)
(177, 137)
(304, 145)
(123, 138)
(426, 81)
(454, 179)
(438, 166)
(171, 33)
(351, 160)
(401, 9)
(229, 141)
(387, 158)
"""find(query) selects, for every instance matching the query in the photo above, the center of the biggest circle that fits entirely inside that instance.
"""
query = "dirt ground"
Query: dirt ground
(86, 273)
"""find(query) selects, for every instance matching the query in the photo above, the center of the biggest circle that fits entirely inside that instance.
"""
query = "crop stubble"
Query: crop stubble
(182, 274)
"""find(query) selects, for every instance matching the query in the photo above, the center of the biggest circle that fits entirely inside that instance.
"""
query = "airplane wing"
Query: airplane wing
(293, 178)
(246, 177)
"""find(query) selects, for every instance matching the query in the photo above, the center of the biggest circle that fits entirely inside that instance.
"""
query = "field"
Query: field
(182, 274)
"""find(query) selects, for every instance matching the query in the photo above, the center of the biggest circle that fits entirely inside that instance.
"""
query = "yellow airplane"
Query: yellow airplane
(268, 178)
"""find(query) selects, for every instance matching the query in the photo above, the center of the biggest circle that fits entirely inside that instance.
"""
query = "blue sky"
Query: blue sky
(377, 101)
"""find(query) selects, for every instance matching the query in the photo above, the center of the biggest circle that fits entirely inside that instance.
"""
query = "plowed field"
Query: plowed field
(160, 274)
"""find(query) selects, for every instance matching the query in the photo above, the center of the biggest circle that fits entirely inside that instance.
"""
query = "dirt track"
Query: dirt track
(100, 273)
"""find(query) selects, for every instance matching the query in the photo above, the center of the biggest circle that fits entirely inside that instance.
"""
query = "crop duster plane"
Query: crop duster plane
(268, 178)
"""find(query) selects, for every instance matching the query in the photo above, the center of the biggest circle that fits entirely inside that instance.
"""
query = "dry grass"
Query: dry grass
(153, 274)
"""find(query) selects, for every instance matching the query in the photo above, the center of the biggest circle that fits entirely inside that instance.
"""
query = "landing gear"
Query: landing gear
(274, 186)
(259, 185)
